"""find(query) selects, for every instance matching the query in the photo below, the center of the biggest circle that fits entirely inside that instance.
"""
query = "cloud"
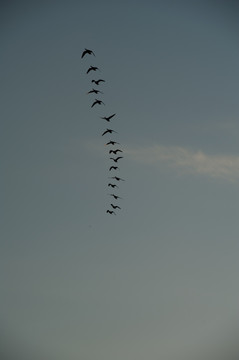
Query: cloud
(188, 161)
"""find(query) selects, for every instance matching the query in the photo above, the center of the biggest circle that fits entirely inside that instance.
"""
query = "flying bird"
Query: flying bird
(107, 118)
(108, 131)
(95, 91)
(97, 102)
(116, 178)
(115, 196)
(116, 159)
(92, 68)
(112, 185)
(112, 143)
(87, 51)
(110, 212)
(115, 206)
(97, 81)
(115, 151)
(113, 167)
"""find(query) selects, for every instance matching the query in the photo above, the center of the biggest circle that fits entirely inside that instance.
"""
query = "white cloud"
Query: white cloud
(188, 161)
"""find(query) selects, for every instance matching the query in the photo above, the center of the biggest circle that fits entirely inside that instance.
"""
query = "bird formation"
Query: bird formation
(96, 103)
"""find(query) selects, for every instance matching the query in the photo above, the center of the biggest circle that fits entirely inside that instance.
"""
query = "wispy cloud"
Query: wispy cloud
(188, 161)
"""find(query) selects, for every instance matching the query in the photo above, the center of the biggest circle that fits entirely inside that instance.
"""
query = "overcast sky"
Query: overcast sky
(159, 280)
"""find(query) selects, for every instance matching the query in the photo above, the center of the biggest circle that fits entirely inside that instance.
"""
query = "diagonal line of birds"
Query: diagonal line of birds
(98, 102)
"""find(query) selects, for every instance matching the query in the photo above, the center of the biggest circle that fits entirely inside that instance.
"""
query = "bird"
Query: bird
(112, 143)
(115, 151)
(97, 81)
(107, 118)
(108, 131)
(97, 102)
(116, 159)
(112, 185)
(110, 212)
(92, 68)
(87, 51)
(115, 196)
(116, 178)
(113, 167)
(115, 206)
(95, 91)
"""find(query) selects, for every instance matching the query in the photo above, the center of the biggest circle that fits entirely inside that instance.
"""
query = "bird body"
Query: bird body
(116, 159)
(107, 118)
(87, 51)
(108, 131)
(99, 102)
(97, 81)
(92, 68)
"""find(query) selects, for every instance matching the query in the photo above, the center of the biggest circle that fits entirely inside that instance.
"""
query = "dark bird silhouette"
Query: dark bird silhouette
(107, 118)
(87, 51)
(97, 81)
(95, 91)
(116, 178)
(110, 212)
(115, 196)
(108, 131)
(92, 68)
(112, 185)
(115, 206)
(116, 159)
(115, 151)
(113, 167)
(97, 102)
(112, 143)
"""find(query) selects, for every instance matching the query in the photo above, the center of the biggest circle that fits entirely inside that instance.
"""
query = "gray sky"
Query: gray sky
(160, 279)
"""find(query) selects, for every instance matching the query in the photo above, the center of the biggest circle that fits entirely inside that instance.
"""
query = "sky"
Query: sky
(159, 280)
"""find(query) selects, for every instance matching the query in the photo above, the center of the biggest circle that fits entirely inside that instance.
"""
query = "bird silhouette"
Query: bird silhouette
(113, 167)
(116, 159)
(110, 212)
(115, 196)
(115, 151)
(95, 91)
(108, 131)
(97, 102)
(92, 68)
(115, 206)
(112, 143)
(112, 185)
(107, 118)
(116, 178)
(97, 81)
(87, 51)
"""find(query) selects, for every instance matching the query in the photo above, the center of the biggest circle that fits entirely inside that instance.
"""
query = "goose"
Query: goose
(97, 102)
(116, 159)
(108, 131)
(112, 185)
(110, 212)
(115, 206)
(87, 51)
(116, 178)
(95, 91)
(113, 167)
(92, 68)
(107, 118)
(115, 196)
(97, 81)
(112, 143)
(115, 151)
